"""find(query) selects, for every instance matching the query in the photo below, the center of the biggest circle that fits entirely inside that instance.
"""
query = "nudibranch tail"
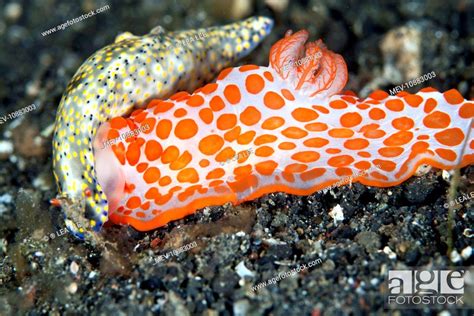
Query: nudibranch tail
(127, 74)
(254, 132)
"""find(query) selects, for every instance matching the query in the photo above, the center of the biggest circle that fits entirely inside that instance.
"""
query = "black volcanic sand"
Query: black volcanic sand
(44, 271)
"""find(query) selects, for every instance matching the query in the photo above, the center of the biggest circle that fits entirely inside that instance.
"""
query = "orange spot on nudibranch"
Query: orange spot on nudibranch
(312, 174)
(447, 154)
(180, 96)
(316, 127)
(265, 138)
(254, 83)
(294, 132)
(344, 172)
(430, 104)
(363, 165)
(395, 105)
(376, 114)
(180, 113)
(403, 123)
(419, 147)
(250, 116)
(264, 151)
(112, 134)
(338, 104)
(215, 174)
(153, 150)
(351, 119)
(304, 115)
(225, 154)
(142, 167)
(233, 134)
(286, 146)
(399, 138)
(295, 168)
(151, 175)
(340, 161)
(216, 103)
(377, 133)
(188, 175)
(182, 161)
(204, 163)
(305, 156)
(341, 133)
(152, 194)
(232, 93)
(206, 115)
(356, 144)
(224, 73)
(118, 122)
(450, 137)
(209, 88)
(211, 144)
(273, 100)
(163, 129)
(413, 100)
(385, 165)
(185, 129)
(316, 142)
(163, 107)
(467, 110)
(170, 154)
(195, 101)
(246, 137)
(134, 202)
(273, 123)
(268, 76)
(133, 153)
(378, 95)
(453, 96)
(321, 109)
(226, 121)
(266, 168)
(390, 151)
(164, 181)
(245, 68)
(287, 94)
(437, 119)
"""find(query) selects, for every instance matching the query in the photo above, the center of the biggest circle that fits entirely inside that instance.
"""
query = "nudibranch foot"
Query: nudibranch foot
(286, 127)
(125, 75)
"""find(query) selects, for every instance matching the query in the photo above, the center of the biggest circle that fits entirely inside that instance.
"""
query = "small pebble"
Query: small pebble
(243, 271)
(13, 11)
(466, 252)
(337, 214)
(446, 176)
(74, 268)
(454, 256)
(6, 149)
(72, 288)
(241, 307)
(422, 170)
(392, 255)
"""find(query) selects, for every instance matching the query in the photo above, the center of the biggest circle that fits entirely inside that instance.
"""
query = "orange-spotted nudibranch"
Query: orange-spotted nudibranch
(258, 130)
(125, 75)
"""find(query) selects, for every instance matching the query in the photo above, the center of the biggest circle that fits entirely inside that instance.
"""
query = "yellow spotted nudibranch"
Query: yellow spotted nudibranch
(127, 74)
(286, 127)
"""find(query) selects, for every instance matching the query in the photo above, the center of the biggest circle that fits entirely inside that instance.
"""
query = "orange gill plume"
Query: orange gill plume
(311, 68)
